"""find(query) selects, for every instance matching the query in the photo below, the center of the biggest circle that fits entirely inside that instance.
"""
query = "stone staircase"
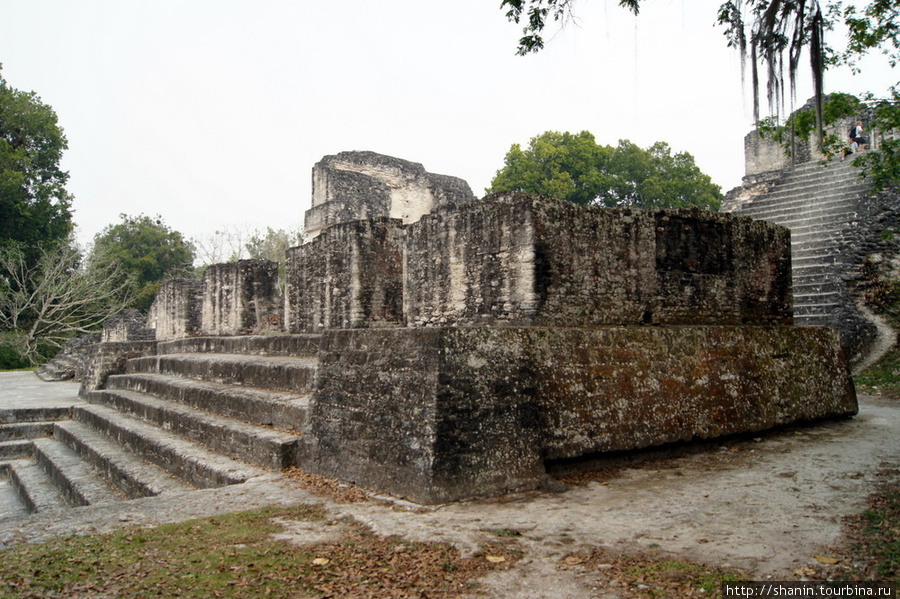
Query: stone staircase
(201, 413)
(822, 205)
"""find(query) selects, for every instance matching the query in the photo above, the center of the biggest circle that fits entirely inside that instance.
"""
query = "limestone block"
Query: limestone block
(130, 325)
(354, 186)
(441, 414)
(177, 310)
(241, 298)
(516, 259)
(434, 415)
(350, 276)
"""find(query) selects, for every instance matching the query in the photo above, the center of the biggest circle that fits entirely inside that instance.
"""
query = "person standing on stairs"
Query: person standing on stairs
(857, 141)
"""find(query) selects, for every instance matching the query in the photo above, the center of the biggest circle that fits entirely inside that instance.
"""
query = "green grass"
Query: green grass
(883, 377)
(236, 555)
(213, 557)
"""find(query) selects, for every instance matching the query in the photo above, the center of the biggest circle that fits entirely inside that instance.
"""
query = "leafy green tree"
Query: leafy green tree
(34, 204)
(574, 167)
(147, 251)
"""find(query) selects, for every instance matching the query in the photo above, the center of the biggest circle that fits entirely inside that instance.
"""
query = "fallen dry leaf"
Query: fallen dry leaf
(321, 561)
(495, 559)
(574, 560)
(824, 559)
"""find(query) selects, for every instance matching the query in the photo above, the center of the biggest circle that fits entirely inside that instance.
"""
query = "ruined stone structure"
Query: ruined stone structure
(177, 310)
(455, 349)
(841, 231)
(356, 186)
(241, 298)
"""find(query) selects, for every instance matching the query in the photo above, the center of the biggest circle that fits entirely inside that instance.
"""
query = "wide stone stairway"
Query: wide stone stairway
(821, 205)
(204, 412)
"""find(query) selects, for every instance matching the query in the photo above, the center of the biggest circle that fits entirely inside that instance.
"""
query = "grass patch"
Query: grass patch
(883, 377)
(236, 555)
(873, 548)
(648, 576)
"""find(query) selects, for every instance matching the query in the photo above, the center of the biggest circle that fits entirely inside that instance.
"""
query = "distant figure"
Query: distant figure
(857, 141)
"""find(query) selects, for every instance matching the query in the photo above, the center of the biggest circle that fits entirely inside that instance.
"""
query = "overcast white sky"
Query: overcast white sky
(211, 113)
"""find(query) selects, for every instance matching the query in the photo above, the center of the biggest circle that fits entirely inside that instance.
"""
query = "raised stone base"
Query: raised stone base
(441, 414)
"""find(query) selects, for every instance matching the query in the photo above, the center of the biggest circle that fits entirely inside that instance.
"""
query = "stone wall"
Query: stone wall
(353, 186)
(349, 276)
(524, 260)
(177, 310)
(446, 413)
(131, 325)
(110, 358)
(241, 297)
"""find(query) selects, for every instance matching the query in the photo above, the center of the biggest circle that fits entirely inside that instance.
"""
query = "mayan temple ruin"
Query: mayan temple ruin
(436, 346)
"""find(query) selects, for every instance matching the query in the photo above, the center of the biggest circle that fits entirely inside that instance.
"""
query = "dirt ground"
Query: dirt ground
(765, 504)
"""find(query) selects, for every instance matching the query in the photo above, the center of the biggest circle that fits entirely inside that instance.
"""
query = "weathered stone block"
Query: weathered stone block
(622, 388)
(177, 311)
(440, 414)
(350, 276)
(131, 325)
(105, 359)
(430, 414)
(353, 186)
(516, 259)
(241, 298)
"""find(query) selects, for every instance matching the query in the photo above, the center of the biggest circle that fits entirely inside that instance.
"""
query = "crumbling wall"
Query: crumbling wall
(354, 186)
(525, 260)
(241, 298)
(131, 325)
(177, 310)
(349, 276)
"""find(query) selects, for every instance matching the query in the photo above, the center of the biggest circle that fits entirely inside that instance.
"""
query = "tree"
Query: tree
(147, 252)
(574, 167)
(767, 30)
(231, 243)
(34, 204)
(58, 296)
(273, 245)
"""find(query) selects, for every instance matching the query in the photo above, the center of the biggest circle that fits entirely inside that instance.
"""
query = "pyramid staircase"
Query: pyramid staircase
(201, 413)
(821, 205)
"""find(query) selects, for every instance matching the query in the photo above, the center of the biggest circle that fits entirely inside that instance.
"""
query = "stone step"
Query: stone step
(11, 504)
(283, 373)
(252, 443)
(34, 414)
(813, 185)
(16, 449)
(25, 430)
(805, 289)
(133, 476)
(809, 220)
(58, 369)
(821, 309)
(815, 320)
(79, 483)
(267, 408)
(271, 345)
(33, 486)
(185, 459)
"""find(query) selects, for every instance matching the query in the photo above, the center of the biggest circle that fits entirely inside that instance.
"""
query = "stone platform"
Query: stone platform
(442, 414)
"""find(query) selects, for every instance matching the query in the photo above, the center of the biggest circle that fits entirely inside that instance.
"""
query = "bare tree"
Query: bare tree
(225, 245)
(59, 296)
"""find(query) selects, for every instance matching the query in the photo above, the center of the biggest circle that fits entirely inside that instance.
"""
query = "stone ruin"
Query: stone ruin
(465, 344)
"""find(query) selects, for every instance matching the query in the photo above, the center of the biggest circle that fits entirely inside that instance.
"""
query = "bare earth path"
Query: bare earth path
(765, 505)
